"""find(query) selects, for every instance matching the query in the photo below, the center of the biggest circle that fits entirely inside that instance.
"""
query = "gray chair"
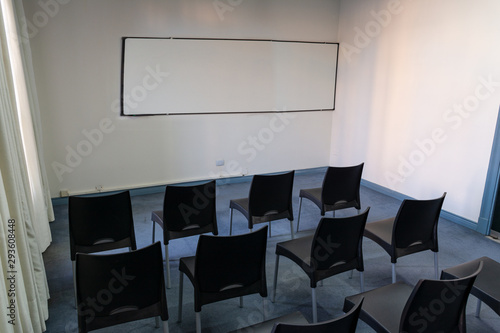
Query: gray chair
(335, 247)
(431, 306)
(340, 190)
(187, 211)
(414, 229)
(270, 199)
(225, 267)
(487, 285)
(118, 288)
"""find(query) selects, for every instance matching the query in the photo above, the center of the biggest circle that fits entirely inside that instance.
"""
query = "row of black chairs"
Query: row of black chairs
(191, 211)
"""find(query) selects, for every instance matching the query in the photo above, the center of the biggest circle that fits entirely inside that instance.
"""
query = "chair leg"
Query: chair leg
(198, 322)
(167, 267)
(269, 229)
(393, 272)
(241, 301)
(478, 308)
(165, 326)
(291, 229)
(153, 233)
(275, 277)
(298, 218)
(436, 266)
(230, 222)
(314, 305)
(362, 281)
(74, 282)
(181, 285)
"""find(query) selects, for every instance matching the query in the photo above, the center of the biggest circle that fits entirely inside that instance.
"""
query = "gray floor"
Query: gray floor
(457, 244)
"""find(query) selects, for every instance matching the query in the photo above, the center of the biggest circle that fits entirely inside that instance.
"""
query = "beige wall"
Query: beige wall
(418, 96)
(76, 49)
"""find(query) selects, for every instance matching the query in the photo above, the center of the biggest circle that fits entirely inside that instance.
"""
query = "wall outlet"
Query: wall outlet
(64, 193)
(219, 163)
(98, 188)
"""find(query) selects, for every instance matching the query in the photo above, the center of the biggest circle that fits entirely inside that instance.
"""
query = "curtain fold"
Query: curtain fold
(24, 209)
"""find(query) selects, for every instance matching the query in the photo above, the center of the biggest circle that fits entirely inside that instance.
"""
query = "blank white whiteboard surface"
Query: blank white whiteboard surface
(186, 76)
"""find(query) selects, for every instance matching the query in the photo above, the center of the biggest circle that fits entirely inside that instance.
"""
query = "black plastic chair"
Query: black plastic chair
(100, 223)
(431, 306)
(270, 199)
(414, 229)
(225, 267)
(119, 288)
(187, 211)
(487, 285)
(343, 324)
(340, 190)
(335, 247)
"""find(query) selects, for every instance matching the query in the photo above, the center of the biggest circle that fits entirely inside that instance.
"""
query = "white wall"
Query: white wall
(413, 98)
(76, 49)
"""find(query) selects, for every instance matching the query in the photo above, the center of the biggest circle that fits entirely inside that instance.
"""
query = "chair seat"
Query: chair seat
(240, 205)
(313, 194)
(384, 304)
(186, 265)
(295, 318)
(298, 250)
(190, 230)
(380, 232)
(487, 284)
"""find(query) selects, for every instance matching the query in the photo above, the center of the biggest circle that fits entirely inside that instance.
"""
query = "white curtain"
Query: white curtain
(25, 207)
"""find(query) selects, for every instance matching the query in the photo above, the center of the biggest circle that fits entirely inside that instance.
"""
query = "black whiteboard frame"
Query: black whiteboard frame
(122, 77)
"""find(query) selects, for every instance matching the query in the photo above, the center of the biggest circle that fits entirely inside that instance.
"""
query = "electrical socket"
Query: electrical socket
(98, 188)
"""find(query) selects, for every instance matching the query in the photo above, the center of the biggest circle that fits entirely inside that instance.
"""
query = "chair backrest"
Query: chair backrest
(100, 223)
(344, 324)
(230, 266)
(271, 194)
(118, 288)
(438, 305)
(416, 223)
(341, 184)
(338, 241)
(190, 207)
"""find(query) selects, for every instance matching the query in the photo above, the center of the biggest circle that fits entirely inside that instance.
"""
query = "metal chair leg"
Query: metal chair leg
(478, 308)
(314, 305)
(74, 282)
(181, 285)
(291, 229)
(436, 266)
(153, 233)
(298, 218)
(275, 277)
(230, 222)
(393, 272)
(165, 326)
(167, 267)
(198, 322)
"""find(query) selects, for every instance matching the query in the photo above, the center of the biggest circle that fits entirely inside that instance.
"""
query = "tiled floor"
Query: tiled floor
(457, 244)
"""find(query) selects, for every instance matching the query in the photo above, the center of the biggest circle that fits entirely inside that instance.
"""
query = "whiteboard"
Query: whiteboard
(190, 76)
